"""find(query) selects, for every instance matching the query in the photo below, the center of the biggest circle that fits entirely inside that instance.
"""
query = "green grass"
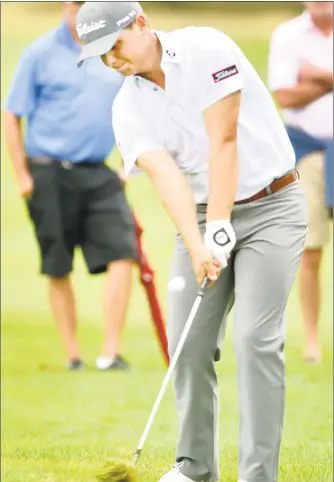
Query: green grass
(61, 427)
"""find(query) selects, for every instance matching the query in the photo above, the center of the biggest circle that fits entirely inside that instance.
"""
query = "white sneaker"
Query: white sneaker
(175, 476)
(105, 363)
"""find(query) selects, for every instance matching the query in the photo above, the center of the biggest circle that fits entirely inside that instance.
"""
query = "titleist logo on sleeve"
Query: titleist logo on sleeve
(225, 73)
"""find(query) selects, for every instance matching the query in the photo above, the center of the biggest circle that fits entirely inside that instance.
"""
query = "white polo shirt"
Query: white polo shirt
(292, 42)
(202, 66)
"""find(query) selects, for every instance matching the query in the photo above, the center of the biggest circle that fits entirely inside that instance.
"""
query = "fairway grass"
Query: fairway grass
(62, 427)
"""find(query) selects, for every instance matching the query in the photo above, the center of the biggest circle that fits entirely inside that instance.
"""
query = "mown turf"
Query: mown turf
(62, 427)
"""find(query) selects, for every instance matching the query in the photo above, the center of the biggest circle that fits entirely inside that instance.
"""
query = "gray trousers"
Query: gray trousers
(270, 239)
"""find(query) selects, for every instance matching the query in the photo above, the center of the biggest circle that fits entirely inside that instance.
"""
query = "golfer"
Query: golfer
(72, 197)
(194, 115)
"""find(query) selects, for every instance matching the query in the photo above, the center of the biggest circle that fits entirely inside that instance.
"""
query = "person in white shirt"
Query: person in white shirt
(194, 115)
(301, 76)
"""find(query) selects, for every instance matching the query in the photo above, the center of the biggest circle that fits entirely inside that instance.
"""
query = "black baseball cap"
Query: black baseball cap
(99, 25)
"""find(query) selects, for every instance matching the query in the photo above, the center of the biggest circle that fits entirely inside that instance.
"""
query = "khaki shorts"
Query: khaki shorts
(311, 170)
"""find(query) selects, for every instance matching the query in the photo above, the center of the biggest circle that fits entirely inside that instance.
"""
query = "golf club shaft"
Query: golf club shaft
(171, 367)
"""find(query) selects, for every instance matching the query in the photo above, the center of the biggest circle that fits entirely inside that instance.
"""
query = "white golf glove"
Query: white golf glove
(220, 239)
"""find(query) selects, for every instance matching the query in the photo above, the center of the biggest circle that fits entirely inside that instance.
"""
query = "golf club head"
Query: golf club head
(117, 472)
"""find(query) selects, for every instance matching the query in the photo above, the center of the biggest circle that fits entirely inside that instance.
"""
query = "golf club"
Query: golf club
(119, 472)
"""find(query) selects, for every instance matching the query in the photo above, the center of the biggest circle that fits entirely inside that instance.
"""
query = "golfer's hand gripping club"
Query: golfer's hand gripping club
(220, 239)
(171, 368)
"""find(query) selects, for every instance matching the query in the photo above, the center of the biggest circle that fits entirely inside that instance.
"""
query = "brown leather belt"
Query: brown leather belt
(275, 186)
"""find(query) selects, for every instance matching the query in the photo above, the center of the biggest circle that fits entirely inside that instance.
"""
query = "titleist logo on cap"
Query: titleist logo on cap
(84, 28)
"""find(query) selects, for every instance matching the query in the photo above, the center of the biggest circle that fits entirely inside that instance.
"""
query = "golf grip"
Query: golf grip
(171, 367)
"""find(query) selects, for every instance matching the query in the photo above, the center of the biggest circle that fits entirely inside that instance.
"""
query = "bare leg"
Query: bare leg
(310, 301)
(116, 301)
(63, 307)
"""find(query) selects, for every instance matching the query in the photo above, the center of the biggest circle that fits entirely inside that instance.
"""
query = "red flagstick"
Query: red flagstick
(147, 279)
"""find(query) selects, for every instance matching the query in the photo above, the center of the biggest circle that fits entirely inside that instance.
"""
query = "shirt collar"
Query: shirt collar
(64, 36)
(169, 55)
(169, 52)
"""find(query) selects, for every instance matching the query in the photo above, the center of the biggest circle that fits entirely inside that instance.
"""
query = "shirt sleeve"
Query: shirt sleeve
(283, 60)
(216, 74)
(22, 96)
(133, 135)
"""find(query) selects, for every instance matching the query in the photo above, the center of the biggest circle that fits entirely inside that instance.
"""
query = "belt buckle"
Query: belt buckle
(67, 165)
(268, 190)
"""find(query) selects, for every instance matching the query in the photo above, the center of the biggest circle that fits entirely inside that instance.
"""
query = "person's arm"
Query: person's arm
(221, 120)
(309, 72)
(13, 137)
(218, 89)
(301, 95)
(295, 83)
(179, 203)
(142, 151)
(20, 103)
